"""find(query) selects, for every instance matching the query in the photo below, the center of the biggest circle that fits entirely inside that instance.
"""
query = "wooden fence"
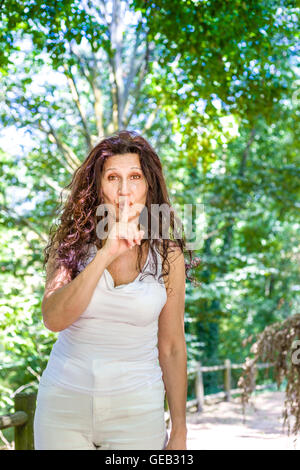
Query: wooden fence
(24, 403)
(201, 397)
(21, 420)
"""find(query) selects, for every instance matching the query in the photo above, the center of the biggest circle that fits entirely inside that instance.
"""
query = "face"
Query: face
(122, 176)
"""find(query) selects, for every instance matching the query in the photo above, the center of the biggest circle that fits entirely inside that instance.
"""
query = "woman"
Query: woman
(121, 342)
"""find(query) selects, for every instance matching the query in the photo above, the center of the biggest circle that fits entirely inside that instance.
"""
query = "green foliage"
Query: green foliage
(23, 338)
(220, 79)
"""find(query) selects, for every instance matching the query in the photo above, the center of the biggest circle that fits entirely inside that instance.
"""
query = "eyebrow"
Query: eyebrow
(117, 168)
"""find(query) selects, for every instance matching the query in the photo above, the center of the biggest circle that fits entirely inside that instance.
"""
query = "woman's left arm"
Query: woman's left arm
(172, 351)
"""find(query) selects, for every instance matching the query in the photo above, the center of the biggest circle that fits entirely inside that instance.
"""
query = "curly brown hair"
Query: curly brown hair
(69, 241)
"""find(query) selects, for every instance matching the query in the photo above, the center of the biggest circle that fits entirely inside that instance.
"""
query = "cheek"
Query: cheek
(142, 189)
(141, 195)
(108, 193)
(145, 191)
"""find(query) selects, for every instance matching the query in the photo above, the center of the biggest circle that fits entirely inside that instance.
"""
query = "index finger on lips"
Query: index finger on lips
(124, 209)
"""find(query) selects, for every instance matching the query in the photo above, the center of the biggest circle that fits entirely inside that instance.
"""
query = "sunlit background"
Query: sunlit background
(214, 87)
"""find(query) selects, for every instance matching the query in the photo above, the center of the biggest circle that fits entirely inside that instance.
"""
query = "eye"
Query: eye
(114, 176)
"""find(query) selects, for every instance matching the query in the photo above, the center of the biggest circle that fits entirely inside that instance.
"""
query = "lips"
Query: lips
(122, 204)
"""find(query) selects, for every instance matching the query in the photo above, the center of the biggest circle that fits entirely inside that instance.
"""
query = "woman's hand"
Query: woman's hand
(177, 441)
(123, 234)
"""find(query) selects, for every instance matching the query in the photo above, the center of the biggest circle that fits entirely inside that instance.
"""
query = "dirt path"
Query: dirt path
(220, 426)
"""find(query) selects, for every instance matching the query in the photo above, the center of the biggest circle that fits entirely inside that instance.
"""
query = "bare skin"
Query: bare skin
(125, 188)
(64, 299)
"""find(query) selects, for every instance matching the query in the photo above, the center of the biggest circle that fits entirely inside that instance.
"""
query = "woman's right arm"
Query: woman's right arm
(64, 300)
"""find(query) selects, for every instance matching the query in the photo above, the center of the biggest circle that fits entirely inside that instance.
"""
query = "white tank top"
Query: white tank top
(112, 347)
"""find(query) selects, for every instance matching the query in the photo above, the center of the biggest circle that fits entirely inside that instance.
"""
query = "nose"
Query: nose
(124, 189)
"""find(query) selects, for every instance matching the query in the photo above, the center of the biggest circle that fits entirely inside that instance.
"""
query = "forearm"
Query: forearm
(65, 305)
(174, 369)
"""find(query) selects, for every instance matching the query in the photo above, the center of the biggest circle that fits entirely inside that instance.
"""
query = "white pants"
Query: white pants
(69, 420)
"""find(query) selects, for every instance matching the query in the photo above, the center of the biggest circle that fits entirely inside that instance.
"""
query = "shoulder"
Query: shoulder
(174, 253)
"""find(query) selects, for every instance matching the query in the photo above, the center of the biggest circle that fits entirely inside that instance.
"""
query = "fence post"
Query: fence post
(199, 388)
(227, 380)
(24, 434)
